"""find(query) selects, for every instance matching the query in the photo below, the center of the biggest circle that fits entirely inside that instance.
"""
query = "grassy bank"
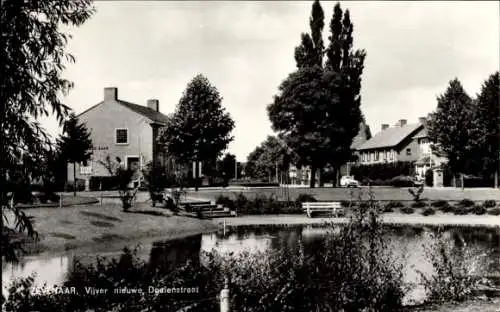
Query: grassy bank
(90, 226)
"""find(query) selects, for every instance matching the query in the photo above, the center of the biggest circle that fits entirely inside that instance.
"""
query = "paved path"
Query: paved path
(389, 218)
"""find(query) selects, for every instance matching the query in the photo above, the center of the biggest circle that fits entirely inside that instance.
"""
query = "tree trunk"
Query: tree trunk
(337, 177)
(312, 181)
(462, 181)
(74, 179)
(496, 178)
(453, 180)
(321, 177)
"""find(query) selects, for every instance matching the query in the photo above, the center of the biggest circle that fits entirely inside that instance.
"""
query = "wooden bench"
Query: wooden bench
(334, 208)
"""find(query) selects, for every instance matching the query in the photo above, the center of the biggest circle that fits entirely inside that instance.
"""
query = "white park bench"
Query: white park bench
(335, 208)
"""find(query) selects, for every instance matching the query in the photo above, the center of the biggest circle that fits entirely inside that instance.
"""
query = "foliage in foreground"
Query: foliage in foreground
(352, 270)
(456, 266)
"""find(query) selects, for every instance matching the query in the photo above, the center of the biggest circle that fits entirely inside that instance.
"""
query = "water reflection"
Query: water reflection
(407, 244)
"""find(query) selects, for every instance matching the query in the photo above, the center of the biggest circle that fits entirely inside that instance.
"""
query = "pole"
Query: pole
(277, 181)
(224, 297)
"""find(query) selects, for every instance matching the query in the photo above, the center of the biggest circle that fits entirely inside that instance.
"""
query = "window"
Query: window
(391, 154)
(408, 152)
(377, 154)
(121, 136)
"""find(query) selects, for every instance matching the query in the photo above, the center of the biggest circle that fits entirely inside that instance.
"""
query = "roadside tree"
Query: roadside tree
(200, 129)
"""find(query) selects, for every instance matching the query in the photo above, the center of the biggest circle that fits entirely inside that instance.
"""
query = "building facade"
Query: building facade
(392, 144)
(120, 129)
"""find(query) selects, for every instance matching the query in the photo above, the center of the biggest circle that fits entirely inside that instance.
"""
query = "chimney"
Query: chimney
(110, 94)
(422, 120)
(402, 122)
(384, 126)
(154, 105)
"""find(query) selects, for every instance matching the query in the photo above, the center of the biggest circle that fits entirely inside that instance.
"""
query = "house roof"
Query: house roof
(390, 137)
(421, 134)
(145, 111)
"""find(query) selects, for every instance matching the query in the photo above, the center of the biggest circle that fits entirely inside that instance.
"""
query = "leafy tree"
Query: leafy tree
(200, 129)
(487, 116)
(75, 144)
(267, 157)
(453, 129)
(33, 58)
(226, 167)
(317, 110)
(123, 179)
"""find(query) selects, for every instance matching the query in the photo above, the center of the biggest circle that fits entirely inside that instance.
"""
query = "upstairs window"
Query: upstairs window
(121, 136)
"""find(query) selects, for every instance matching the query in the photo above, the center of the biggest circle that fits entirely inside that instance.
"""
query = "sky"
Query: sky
(153, 49)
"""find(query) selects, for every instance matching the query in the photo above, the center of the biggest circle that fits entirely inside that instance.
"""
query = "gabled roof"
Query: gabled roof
(154, 116)
(145, 111)
(421, 134)
(391, 137)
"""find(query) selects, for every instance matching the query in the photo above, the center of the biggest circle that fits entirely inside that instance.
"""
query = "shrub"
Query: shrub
(157, 180)
(479, 210)
(304, 197)
(394, 204)
(455, 266)
(419, 204)
(447, 208)
(402, 181)
(80, 186)
(416, 192)
(461, 210)
(466, 203)
(382, 172)
(428, 211)
(345, 203)
(494, 211)
(439, 203)
(489, 203)
(388, 209)
(407, 210)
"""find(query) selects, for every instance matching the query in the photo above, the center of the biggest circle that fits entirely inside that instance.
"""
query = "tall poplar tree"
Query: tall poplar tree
(317, 109)
(487, 115)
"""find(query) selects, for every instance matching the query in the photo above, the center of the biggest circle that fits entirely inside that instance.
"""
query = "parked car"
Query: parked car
(348, 181)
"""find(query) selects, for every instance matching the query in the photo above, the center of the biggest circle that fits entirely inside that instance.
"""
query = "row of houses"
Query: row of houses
(401, 142)
(127, 130)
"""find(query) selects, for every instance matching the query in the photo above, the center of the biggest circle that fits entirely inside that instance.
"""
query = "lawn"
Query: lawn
(338, 194)
(67, 200)
(90, 225)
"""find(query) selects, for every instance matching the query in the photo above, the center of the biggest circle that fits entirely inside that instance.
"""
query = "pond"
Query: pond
(407, 242)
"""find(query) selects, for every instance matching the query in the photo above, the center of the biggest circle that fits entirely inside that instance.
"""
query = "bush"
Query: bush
(489, 203)
(479, 210)
(304, 197)
(428, 211)
(447, 208)
(494, 211)
(402, 181)
(439, 203)
(102, 183)
(466, 203)
(394, 204)
(419, 204)
(382, 172)
(240, 202)
(461, 210)
(407, 210)
(454, 265)
(429, 177)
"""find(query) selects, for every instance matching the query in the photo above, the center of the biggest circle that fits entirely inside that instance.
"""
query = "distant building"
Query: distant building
(121, 129)
(402, 142)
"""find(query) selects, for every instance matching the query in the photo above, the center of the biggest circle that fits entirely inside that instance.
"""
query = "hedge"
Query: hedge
(384, 171)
